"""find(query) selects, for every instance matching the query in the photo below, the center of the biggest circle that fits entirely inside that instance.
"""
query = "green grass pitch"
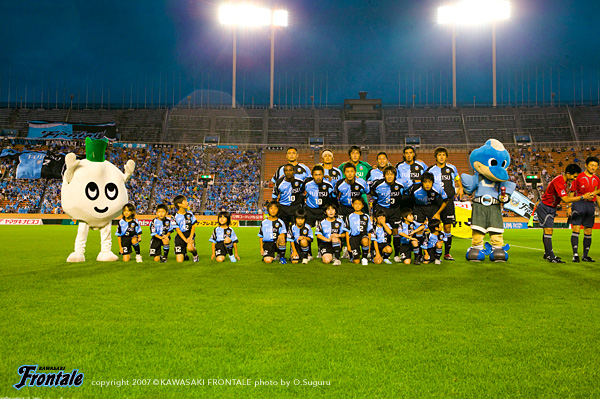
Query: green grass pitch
(526, 328)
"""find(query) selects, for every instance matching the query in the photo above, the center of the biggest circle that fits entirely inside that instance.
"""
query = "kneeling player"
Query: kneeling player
(300, 236)
(272, 235)
(434, 242)
(224, 241)
(330, 232)
(160, 231)
(381, 240)
(360, 229)
(408, 230)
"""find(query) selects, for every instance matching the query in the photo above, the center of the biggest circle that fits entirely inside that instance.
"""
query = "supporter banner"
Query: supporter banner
(230, 147)
(144, 222)
(37, 164)
(129, 145)
(69, 131)
(247, 216)
(520, 204)
(21, 222)
(515, 225)
(214, 223)
(462, 222)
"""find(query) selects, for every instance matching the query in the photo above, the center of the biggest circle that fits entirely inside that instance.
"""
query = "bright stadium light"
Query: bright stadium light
(474, 12)
(235, 15)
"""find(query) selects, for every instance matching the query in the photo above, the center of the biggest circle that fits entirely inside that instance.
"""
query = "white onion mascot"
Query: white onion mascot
(93, 192)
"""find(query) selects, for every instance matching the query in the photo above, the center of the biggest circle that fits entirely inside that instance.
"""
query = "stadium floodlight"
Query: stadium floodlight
(235, 15)
(474, 12)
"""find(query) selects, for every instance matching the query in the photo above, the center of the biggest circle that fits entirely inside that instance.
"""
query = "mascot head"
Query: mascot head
(491, 160)
(93, 189)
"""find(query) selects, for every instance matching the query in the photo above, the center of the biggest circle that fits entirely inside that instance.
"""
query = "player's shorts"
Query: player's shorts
(325, 247)
(545, 215)
(155, 246)
(431, 252)
(381, 246)
(269, 249)
(425, 212)
(126, 245)
(392, 215)
(448, 215)
(355, 244)
(583, 214)
(404, 251)
(288, 214)
(344, 210)
(180, 245)
(220, 249)
(314, 215)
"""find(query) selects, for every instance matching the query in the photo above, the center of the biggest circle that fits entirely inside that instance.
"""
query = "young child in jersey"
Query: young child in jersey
(408, 230)
(381, 237)
(224, 241)
(330, 232)
(129, 233)
(434, 242)
(160, 230)
(185, 226)
(300, 236)
(272, 235)
(360, 228)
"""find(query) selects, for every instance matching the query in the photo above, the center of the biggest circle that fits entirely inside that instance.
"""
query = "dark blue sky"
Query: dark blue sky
(346, 45)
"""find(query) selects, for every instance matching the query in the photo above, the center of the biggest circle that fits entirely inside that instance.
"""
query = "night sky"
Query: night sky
(132, 49)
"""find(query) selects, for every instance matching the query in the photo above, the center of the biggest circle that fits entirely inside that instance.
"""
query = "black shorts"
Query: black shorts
(545, 215)
(448, 215)
(180, 245)
(325, 247)
(126, 245)
(380, 245)
(583, 214)
(220, 249)
(431, 252)
(155, 246)
(425, 212)
(314, 215)
(288, 214)
(269, 249)
(404, 251)
(355, 244)
(344, 210)
(392, 215)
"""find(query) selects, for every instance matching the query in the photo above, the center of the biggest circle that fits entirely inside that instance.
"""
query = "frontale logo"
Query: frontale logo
(31, 378)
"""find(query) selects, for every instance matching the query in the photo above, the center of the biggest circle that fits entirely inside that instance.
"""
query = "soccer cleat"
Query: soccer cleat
(587, 259)
(345, 254)
(438, 262)
(196, 258)
(576, 258)
(448, 257)
(337, 262)
(364, 262)
(283, 261)
(556, 259)
(318, 255)
(387, 261)
(397, 259)
(310, 258)
(138, 258)
(546, 256)
(417, 260)
(305, 261)
(232, 258)
(163, 259)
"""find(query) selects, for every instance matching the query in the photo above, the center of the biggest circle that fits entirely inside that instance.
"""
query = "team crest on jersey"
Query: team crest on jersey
(132, 224)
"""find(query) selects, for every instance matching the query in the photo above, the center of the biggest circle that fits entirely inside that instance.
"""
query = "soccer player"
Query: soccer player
(546, 209)
(332, 174)
(300, 236)
(129, 233)
(161, 228)
(409, 172)
(330, 232)
(361, 168)
(430, 201)
(288, 191)
(447, 176)
(223, 239)
(583, 211)
(381, 237)
(408, 228)
(377, 173)
(349, 188)
(301, 171)
(318, 194)
(432, 245)
(360, 228)
(272, 235)
(185, 226)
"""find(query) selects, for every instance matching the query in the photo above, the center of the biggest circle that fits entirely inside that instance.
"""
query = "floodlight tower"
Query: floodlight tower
(248, 15)
(474, 12)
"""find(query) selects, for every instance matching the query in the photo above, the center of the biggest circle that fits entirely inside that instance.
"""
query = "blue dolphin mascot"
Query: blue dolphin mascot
(490, 188)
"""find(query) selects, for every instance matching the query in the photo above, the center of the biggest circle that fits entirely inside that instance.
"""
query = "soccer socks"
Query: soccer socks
(575, 242)
(304, 251)
(587, 243)
(397, 245)
(281, 251)
(194, 253)
(438, 253)
(337, 249)
(385, 255)
(166, 250)
(229, 249)
(548, 245)
(136, 248)
(448, 243)
(365, 251)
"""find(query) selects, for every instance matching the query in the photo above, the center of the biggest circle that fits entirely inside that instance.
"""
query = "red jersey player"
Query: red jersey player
(546, 209)
(583, 211)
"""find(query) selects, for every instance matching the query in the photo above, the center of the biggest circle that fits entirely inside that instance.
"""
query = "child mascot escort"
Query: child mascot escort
(93, 192)
(490, 188)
